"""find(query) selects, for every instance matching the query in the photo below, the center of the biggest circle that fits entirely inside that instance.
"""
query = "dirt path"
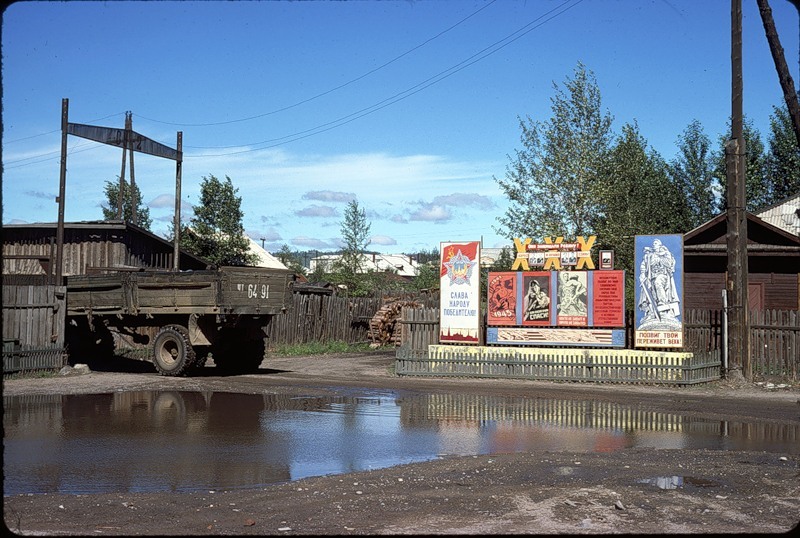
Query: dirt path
(532, 493)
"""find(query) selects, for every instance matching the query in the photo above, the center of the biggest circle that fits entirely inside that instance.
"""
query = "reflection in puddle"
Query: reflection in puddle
(675, 482)
(193, 441)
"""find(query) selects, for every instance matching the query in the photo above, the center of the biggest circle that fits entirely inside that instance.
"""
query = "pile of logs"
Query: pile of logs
(383, 327)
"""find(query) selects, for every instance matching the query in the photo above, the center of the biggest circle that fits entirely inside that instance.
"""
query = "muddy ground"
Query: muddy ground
(531, 493)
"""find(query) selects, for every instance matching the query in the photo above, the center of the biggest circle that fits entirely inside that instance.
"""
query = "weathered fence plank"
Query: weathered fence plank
(33, 327)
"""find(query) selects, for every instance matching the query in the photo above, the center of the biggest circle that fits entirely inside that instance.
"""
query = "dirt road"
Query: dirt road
(531, 493)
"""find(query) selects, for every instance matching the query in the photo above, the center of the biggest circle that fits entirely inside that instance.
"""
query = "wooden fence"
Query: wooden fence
(33, 327)
(419, 355)
(325, 318)
(775, 343)
(774, 338)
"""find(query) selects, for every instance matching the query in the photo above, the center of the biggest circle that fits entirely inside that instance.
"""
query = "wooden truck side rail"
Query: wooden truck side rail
(229, 290)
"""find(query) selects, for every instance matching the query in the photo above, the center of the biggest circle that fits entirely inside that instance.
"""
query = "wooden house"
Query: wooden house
(773, 265)
(89, 247)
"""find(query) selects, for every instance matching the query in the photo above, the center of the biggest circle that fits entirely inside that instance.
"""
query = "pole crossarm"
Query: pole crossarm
(116, 137)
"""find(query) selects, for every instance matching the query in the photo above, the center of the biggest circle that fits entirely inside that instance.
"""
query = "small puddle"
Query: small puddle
(676, 482)
(195, 441)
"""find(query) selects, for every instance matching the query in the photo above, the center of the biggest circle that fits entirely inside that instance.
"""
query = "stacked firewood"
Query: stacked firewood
(384, 328)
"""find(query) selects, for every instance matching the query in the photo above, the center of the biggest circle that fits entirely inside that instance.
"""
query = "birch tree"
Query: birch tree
(552, 182)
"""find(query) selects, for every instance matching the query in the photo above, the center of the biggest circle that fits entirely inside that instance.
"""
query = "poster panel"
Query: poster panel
(608, 298)
(658, 318)
(549, 336)
(536, 299)
(572, 306)
(459, 318)
(502, 298)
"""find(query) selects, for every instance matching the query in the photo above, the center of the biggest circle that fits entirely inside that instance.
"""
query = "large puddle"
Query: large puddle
(194, 441)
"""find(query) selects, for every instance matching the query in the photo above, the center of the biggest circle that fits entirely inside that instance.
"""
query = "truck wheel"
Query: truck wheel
(172, 352)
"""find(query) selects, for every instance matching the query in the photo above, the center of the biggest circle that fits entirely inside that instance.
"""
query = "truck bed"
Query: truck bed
(228, 290)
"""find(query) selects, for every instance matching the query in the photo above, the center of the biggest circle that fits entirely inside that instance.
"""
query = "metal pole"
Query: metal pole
(724, 332)
(177, 219)
(62, 187)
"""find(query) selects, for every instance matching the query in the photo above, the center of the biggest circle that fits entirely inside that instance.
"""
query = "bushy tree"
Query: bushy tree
(505, 260)
(427, 277)
(757, 187)
(783, 159)
(693, 171)
(425, 256)
(215, 231)
(641, 200)
(291, 259)
(111, 190)
(552, 182)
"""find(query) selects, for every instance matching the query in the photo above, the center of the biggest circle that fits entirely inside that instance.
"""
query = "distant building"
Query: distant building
(265, 259)
(89, 247)
(489, 255)
(401, 264)
(784, 215)
(773, 265)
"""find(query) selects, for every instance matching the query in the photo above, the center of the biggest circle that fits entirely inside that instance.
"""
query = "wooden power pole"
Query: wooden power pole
(735, 162)
(784, 77)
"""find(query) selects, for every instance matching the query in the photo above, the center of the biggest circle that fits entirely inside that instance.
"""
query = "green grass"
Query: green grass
(316, 348)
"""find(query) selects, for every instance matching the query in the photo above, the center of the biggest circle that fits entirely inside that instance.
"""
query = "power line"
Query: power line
(56, 130)
(44, 157)
(259, 115)
(348, 83)
(442, 75)
(349, 118)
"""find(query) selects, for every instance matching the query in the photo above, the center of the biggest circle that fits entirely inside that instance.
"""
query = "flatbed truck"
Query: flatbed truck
(178, 318)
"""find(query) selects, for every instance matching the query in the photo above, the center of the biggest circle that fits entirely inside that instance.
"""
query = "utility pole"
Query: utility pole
(784, 77)
(736, 214)
(176, 249)
(129, 137)
(62, 188)
(120, 197)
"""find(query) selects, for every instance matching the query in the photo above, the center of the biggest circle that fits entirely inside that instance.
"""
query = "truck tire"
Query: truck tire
(172, 352)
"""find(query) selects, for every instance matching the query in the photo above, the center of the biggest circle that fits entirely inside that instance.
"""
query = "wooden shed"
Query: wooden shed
(773, 265)
(89, 247)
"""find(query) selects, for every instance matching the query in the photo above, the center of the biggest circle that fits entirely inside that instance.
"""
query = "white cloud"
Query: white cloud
(329, 196)
(382, 240)
(270, 235)
(431, 213)
(317, 211)
(163, 200)
(465, 199)
(311, 242)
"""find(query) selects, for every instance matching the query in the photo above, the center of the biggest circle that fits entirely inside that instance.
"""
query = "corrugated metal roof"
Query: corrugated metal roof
(784, 215)
(399, 263)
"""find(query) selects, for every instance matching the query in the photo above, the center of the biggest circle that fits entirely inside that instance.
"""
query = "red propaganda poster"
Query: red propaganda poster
(572, 305)
(536, 298)
(502, 299)
(608, 298)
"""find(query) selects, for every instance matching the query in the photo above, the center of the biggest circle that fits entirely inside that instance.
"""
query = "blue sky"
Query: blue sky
(410, 107)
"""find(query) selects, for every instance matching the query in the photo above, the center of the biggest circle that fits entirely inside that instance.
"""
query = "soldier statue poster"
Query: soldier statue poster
(658, 319)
